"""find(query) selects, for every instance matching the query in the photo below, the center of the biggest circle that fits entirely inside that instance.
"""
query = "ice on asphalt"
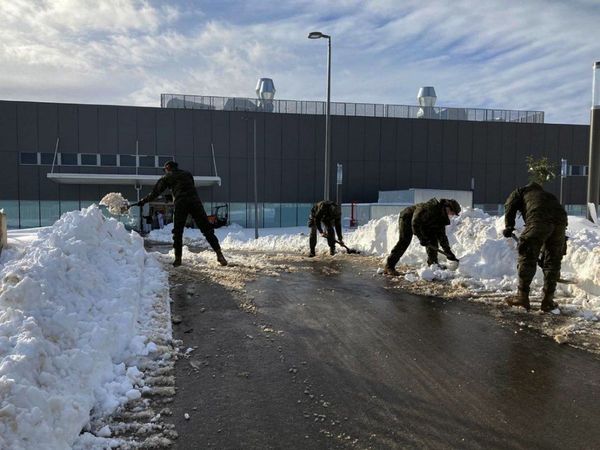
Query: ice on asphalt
(75, 299)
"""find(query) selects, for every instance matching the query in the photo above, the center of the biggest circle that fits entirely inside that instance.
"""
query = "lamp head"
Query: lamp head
(315, 35)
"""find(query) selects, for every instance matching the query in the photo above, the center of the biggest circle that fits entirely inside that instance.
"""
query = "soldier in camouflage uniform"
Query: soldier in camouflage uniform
(428, 222)
(545, 224)
(329, 214)
(187, 203)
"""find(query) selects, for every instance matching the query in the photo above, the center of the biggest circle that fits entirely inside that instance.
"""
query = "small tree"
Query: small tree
(540, 170)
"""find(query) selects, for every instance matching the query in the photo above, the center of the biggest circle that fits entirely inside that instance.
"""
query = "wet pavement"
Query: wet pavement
(334, 359)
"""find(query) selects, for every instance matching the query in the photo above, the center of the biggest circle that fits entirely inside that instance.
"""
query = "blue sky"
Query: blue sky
(526, 54)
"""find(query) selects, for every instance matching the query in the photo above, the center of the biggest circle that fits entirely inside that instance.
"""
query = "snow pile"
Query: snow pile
(73, 306)
(488, 261)
(234, 237)
(115, 202)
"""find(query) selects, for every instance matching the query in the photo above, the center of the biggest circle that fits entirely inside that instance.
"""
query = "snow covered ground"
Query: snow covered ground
(78, 310)
(487, 259)
(83, 306)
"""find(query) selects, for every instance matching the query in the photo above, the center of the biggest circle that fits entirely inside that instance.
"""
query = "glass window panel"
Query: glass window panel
(250, 215)
(303, 213)
(29, 158)
(89, 159)
(11, 209)
(288, 215)
(87, 203)
(237, 213)
(49, 212)
(163, 159)
(108, 160)
(48, 158)
(68, 159)
(127, 160)
(68, 205)
(29, 214)
(272, 215)
(147, 161)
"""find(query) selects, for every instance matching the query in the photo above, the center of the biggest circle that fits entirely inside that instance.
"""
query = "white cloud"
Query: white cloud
(532, 54)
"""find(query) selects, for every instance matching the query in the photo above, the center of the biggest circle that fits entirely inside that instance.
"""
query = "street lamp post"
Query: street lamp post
(319, 35)
(593, 191)
(255, 179)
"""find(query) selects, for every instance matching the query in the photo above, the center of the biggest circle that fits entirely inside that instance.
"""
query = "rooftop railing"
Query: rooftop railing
(348, 109)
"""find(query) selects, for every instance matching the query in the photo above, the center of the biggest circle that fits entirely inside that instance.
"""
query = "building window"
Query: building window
(127, 160)
(47, 159)
(163, 159)
(89, 159)
(29, 158)
(578, 171)
(108, 160)
(68, 159)
(147, 161)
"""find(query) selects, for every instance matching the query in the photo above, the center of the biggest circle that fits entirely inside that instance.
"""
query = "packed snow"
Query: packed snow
(76, 307)
(487, 259)
(115, 202)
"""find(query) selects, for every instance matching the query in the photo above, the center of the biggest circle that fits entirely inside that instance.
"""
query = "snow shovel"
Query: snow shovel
(560, 280)
(348, 250)
(452, 263)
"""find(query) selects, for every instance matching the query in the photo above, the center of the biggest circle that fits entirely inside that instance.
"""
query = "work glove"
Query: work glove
(142, 202)
(507, 232)
(424, 242)
(341, 242)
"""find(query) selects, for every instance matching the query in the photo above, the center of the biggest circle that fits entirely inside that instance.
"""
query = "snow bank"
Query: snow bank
(72, 307)
(488, 261)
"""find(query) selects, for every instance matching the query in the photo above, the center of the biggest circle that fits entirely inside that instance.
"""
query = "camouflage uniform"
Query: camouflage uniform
(428, 222)
(187, 202)
(329, 214)
(545, 224)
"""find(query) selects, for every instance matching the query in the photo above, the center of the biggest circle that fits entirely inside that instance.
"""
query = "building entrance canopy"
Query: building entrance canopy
(123, 179)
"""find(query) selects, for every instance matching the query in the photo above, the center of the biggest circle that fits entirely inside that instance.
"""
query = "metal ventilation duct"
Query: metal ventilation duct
(265, 89)
(426, 96)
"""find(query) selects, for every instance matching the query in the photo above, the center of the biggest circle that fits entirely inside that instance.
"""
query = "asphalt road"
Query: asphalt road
(333, 359)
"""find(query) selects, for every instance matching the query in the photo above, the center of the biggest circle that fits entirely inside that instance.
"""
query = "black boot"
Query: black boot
(548, 304)
(521, 299)
(391, 271)
(220, 257)
(177, 261)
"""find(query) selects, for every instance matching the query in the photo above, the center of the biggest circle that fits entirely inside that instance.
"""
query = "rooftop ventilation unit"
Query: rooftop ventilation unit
(426, 98)
(265, 91)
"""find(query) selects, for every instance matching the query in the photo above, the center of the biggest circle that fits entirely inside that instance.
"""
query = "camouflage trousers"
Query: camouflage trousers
(547, 239)
(406, 234)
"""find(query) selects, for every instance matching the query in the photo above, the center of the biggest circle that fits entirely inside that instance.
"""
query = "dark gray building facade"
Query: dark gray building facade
(377, 153)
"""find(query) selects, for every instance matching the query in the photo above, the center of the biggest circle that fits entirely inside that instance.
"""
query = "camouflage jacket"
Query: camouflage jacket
(535, 205)
(329, 213)
(181, 184)
(429, 222)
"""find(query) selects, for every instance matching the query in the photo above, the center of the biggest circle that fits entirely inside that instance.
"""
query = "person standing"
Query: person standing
(545, 226)
(187, 202)
(428, 222)
(326, 213)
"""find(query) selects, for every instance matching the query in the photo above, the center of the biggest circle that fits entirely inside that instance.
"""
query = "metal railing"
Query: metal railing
(210, 102)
